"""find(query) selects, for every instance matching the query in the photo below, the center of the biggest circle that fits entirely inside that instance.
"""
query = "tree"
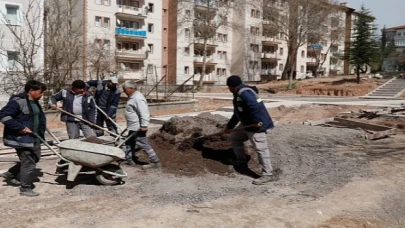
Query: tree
(364, 48)
(21, 43)
(387, 48)
(101, 59)
(294, 21)
(63, 42)
(200, 20)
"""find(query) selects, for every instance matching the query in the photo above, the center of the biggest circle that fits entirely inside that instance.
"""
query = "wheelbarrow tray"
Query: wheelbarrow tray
(90, 154)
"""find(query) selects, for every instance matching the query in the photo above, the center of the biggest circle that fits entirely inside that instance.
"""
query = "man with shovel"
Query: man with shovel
(256, 122)
(107, 97)
(22, 116)
(77, 101)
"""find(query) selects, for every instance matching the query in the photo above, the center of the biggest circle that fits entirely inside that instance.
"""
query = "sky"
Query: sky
(387, 12)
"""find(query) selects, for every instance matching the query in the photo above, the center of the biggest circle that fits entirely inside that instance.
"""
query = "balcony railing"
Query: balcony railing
(208, 59)
(131, 10)
(269, 55)
(206, 3)
(268, 71)
(131, 74)
(131, 54)
(130, 32)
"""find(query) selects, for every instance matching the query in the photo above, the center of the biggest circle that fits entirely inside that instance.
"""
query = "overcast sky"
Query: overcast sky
(387, 12)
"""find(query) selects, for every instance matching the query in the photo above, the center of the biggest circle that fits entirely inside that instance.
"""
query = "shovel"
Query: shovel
(235, 129)
(87, 122)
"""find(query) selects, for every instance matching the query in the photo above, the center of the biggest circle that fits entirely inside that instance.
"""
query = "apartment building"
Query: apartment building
(128, 31)
(397, 35)
(12, 16)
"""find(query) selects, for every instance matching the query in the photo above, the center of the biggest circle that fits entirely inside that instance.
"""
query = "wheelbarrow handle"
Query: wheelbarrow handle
(47, 145)
(109, 118)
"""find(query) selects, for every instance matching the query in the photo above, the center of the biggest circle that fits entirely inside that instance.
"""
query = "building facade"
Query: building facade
(20, 46)
(396, 61)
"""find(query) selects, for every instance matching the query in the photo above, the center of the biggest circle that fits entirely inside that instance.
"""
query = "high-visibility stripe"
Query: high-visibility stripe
(6, 118)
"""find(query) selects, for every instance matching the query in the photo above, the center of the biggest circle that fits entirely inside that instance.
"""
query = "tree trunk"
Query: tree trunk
(204, 66)
(358, 73)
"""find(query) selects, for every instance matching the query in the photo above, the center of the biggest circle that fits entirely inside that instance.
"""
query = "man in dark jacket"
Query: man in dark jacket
(107, 97)
(80, 103)
(250, 110)
(21, 117)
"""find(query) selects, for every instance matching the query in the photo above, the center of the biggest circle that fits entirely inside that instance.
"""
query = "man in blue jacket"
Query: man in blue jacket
(107, 97)
(21, 117)
(250, 110)
(79, 102)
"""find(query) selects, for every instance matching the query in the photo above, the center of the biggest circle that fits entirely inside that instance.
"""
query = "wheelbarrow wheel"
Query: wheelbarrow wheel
(107, 179)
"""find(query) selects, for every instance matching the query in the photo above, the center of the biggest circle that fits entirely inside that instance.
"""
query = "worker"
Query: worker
(250, 110)
(22, 116)
(107, 97)
(79, 102)
(137, 117)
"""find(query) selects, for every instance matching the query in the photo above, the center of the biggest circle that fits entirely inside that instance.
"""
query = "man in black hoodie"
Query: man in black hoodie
(250, 110)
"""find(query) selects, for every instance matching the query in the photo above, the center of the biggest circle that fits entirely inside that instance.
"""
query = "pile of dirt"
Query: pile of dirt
(182, 151)
(305, 155)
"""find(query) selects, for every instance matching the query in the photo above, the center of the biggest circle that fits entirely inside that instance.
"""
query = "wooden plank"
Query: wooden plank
(367, 126)
(316, 122)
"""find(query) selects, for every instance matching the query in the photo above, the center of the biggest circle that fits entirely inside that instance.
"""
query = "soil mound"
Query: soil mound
(302, 155)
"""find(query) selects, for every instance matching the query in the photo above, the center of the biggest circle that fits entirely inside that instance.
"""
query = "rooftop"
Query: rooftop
(397, 27)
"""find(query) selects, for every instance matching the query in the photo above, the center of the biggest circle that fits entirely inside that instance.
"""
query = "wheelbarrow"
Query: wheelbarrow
(95, 156)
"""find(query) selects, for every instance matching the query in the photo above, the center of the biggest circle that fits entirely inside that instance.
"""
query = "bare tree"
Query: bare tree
(21, 40)
(101, 59)
(203, 23)
(63, 42)
(293, 21)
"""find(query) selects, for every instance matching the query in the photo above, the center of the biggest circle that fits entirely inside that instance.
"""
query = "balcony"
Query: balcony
(131, 75)
(199, 44)
(206, 4)
(130, 12)
(135, 34)
(270, 71)
(210, 61)
(312, 61)
(126, 55)
(270, 41)
(269, 57)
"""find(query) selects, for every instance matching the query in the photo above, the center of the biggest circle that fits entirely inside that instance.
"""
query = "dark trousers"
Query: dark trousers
(26, 167)
(141, 140)
(101, 118)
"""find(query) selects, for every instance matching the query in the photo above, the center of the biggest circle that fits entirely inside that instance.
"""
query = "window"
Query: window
(252, 13)
(106, 2)
(126, 46)
(302, 54)
(135, 25)
(225, 37)
(106, 44)
(12, 14)
(13, 60)
(219, 53)
(218, 71)
(150, 68)
(106, 23)
(281, 51)
(186, 70)
(136, 4)
(150, 28)
(135, 66)
(187, 51)
(220, 37)
(135, 46)
(98, 2)
(280, 67)
(224, 53)
(150, 7)
(302, 69)
(98, 22)
(224, 72)
(150, 48)
(187, 32)
(119, 46)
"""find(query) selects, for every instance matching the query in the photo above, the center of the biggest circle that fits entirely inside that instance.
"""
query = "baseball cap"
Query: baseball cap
(114, 79)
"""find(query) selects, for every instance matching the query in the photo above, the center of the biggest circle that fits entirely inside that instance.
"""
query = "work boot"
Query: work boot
(10, 178)
(152, 165)
(28, 192)
(129, 162)
(264, 180)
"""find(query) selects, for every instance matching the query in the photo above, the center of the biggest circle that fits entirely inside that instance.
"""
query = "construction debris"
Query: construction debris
(373, 131)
